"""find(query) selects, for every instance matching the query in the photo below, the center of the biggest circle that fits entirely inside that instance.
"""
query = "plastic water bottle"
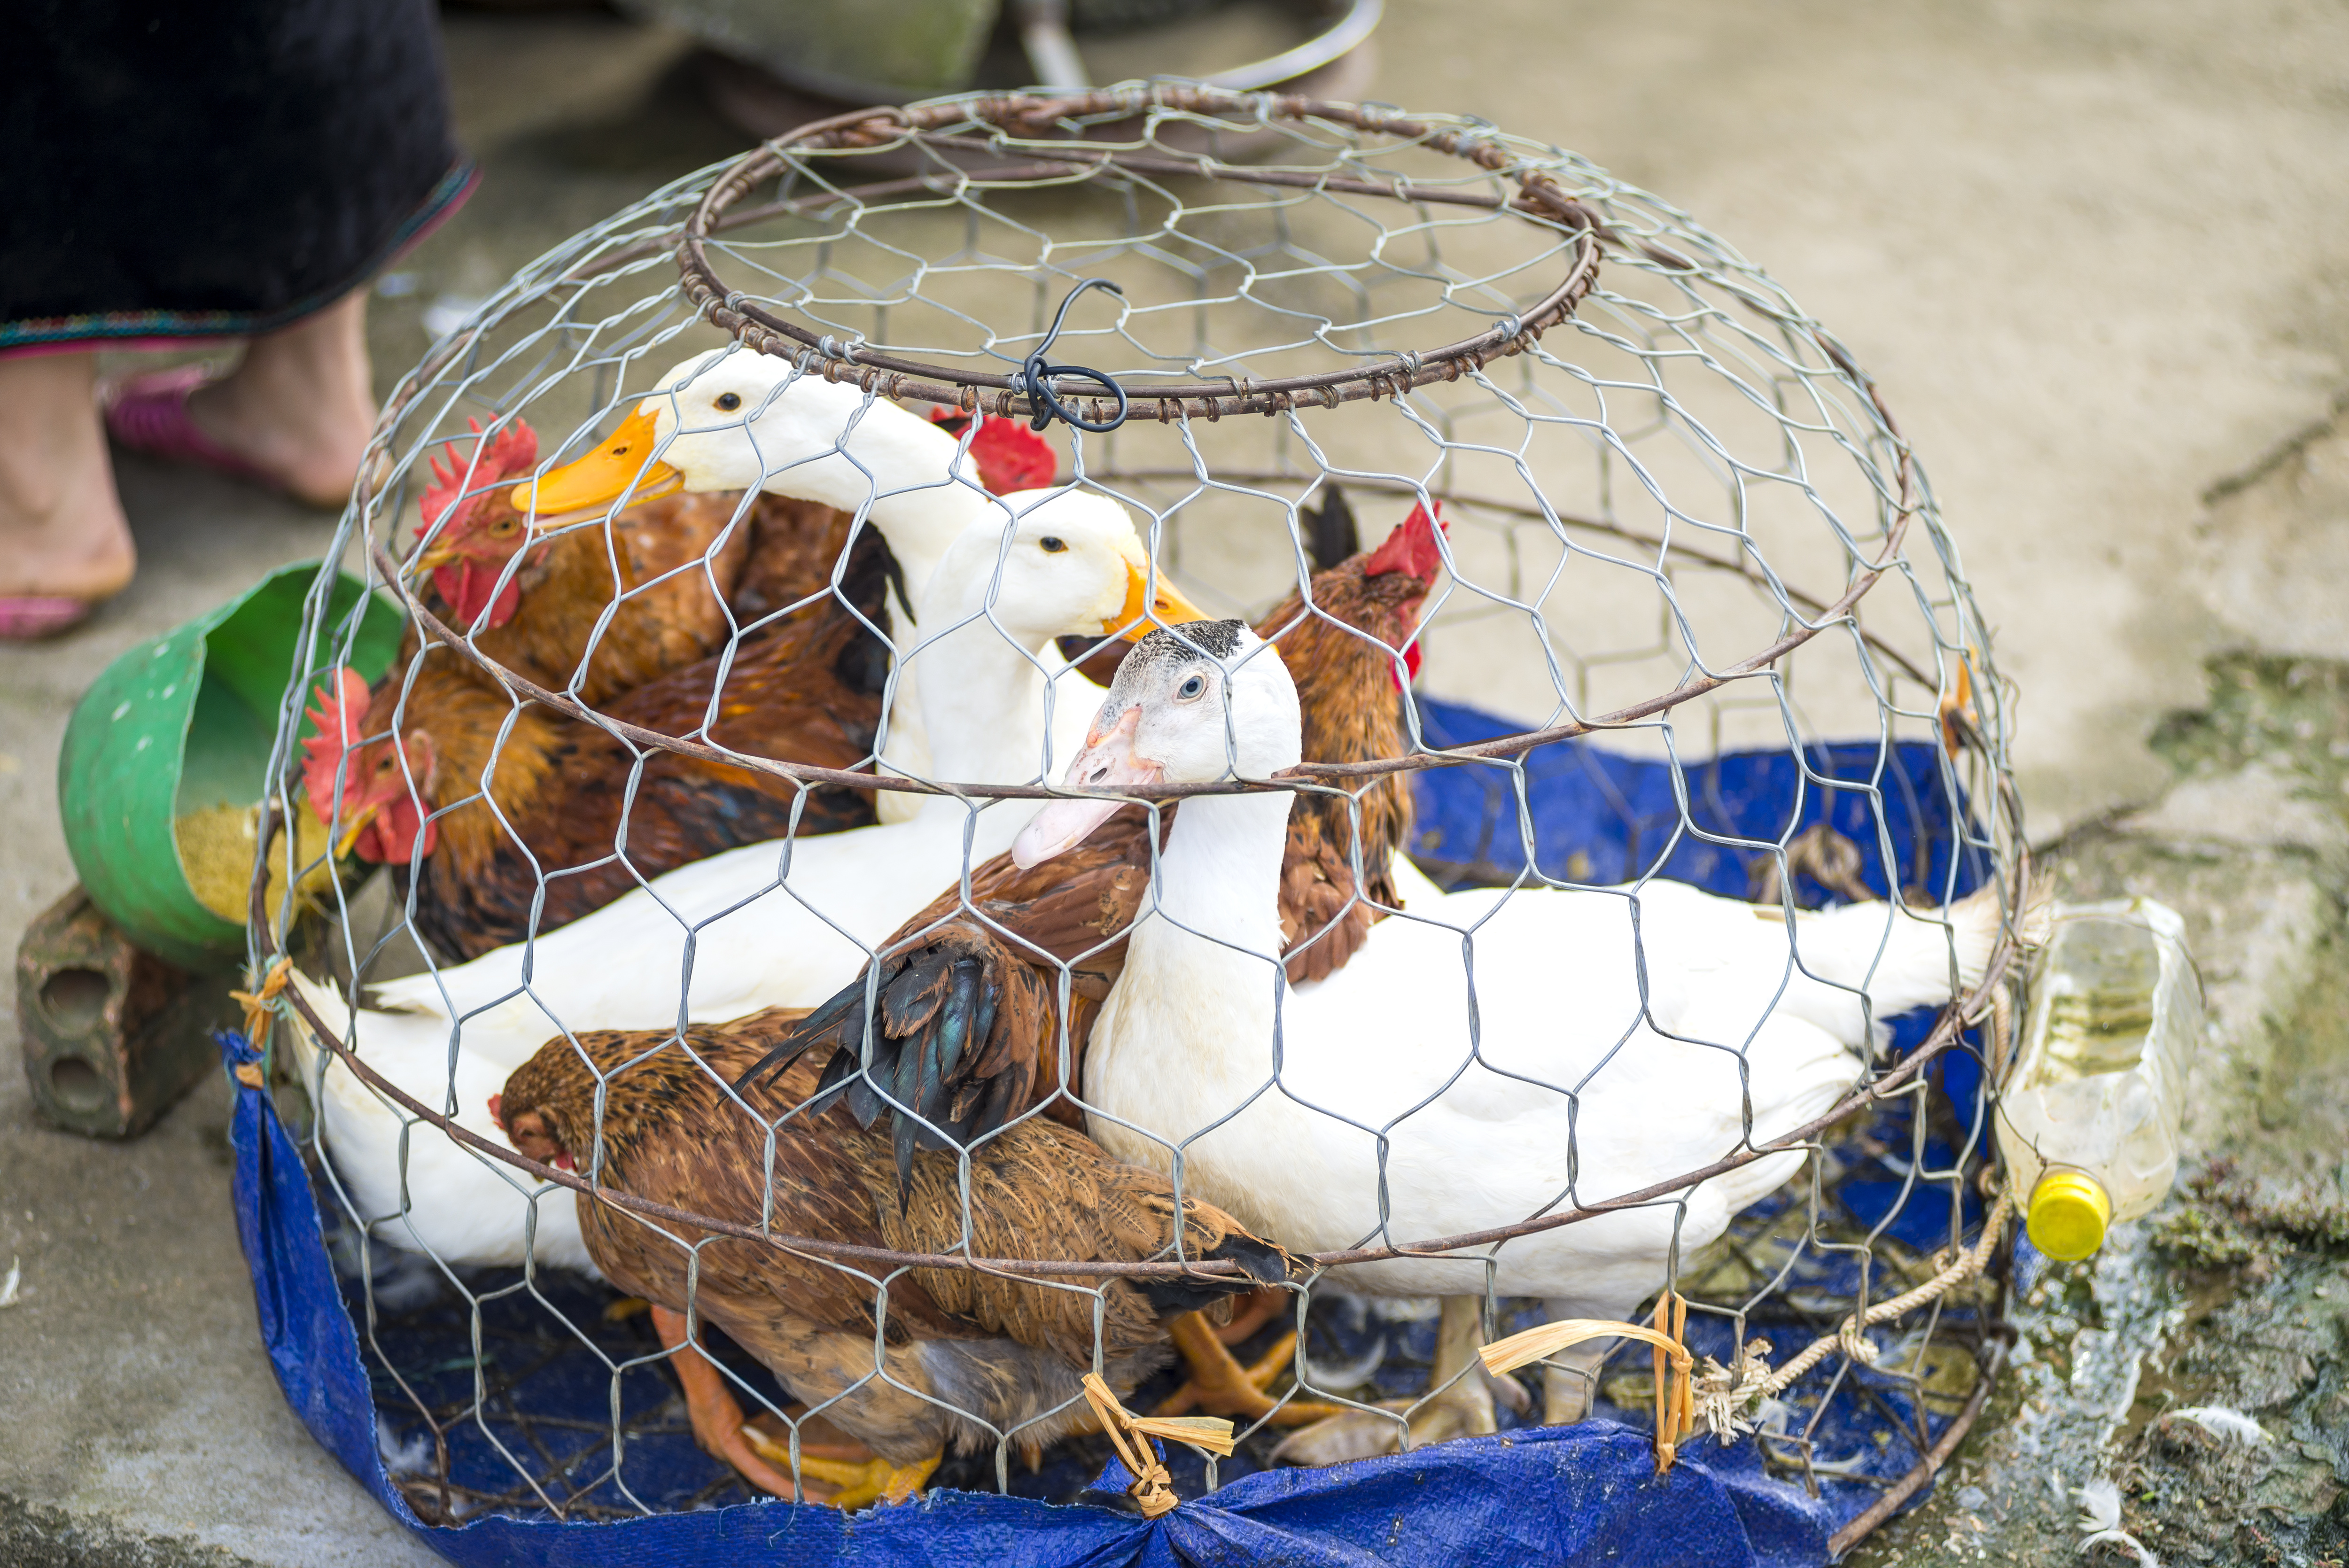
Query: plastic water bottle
(2089, 1123)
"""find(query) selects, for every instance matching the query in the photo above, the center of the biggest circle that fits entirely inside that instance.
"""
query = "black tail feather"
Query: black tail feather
(1331, 532)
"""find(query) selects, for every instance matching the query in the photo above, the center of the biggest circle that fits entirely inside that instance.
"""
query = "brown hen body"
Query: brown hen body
(1010, 1352)
(577, 820)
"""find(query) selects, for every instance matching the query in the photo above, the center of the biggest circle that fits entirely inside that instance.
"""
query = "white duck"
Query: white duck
(734, 420)
(1399, 1115)
(776, 924)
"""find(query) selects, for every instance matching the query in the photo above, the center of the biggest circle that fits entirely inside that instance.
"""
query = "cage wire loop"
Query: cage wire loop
(1038, 376)
(1654, 509)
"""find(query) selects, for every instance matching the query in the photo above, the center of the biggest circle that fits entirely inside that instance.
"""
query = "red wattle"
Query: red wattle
(467, 584)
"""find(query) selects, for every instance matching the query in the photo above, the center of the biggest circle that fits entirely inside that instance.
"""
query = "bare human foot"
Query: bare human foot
(300, 405)
(62, 532)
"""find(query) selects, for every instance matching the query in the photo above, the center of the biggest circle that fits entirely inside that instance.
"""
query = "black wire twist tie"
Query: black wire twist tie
(1043, 403)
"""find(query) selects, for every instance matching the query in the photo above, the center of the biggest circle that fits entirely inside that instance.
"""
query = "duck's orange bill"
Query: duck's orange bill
(604, 475)
(1146, 610)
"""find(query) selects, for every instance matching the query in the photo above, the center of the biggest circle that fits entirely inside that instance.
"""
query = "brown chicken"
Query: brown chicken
(666, 569)
(969, 1023)
(961, 1354)
(541, 819)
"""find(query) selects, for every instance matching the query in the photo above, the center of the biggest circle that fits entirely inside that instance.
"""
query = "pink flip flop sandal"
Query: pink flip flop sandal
(31, 617)
(148, 413)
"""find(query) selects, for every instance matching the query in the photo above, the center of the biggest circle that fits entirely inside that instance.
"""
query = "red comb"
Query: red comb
(508, 452)
(339, 713)
(1411, 548)
(1009, 456)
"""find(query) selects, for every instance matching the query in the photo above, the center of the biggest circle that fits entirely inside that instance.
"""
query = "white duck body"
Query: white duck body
(1574, 1089)
(747, 940)
(794, 434)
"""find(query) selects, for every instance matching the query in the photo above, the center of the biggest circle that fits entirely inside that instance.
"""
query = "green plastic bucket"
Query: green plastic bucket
(183, 723)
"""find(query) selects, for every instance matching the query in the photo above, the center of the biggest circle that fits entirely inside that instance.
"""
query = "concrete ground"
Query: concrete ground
(2099, 256)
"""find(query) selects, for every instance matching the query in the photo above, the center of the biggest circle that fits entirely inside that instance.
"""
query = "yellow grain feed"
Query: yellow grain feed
(216, 845)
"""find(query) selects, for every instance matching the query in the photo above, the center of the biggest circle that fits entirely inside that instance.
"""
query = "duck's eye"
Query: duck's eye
(729, 401)
(1052, 546)
(1191, 687)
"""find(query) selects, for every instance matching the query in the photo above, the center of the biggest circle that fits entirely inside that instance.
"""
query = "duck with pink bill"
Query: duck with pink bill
(1618, 1037)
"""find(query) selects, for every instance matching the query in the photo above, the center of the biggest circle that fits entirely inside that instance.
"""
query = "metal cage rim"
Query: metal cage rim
(762, 330)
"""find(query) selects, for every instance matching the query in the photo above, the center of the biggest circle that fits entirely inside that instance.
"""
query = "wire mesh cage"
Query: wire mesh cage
(944, 835)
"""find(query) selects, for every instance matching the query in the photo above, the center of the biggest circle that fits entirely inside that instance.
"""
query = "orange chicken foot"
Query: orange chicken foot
(1253, 1311)
(715, 1413)
(1220, 1386)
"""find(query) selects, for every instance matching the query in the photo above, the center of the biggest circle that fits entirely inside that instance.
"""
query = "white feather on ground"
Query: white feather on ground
(2100, 1518)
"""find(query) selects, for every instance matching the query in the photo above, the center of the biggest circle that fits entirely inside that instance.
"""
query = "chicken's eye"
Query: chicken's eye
(1191, 687)
(504, 526)
(729, 401)
(1052, 546)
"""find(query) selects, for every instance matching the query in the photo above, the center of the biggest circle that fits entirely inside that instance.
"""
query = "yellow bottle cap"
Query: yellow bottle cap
(2069, 1213)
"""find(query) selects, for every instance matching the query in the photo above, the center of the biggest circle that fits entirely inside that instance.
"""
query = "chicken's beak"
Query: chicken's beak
(352, 829)
(1107, 762)
(1144, 611)
(604, 475)
(441, 551)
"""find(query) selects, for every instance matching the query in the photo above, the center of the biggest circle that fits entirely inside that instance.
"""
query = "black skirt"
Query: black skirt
(217, 170)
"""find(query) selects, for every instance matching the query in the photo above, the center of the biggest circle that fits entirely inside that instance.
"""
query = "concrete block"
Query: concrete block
(111, 1034)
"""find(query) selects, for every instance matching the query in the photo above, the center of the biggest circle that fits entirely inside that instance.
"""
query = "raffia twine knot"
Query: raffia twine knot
(1675, 1395)
(1153, 1490)
(258, 1006)
(1724, 1394)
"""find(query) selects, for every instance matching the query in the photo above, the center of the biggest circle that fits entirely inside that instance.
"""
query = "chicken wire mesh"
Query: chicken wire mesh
(694, 1033)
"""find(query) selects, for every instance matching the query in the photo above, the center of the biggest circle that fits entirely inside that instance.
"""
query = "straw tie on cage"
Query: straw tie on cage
(1153, 1490)
(258, 1006)
(1675, 1398)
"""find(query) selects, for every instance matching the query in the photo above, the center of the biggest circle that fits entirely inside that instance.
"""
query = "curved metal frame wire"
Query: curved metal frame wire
(1014, 140)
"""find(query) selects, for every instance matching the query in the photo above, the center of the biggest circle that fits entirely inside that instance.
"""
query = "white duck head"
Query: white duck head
(1191, 705)
(1068, 564)
(732, 419)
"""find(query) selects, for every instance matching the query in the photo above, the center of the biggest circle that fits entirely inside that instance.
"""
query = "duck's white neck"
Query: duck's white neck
(1219, 882)
(901, 464)
(981, 697)
(919, 526)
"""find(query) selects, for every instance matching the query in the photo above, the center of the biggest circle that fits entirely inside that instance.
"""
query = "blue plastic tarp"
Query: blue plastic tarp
(1582, 1494)
(1598, 817)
